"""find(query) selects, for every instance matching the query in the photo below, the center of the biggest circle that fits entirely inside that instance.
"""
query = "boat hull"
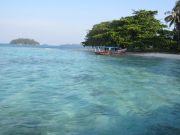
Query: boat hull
(103, 53)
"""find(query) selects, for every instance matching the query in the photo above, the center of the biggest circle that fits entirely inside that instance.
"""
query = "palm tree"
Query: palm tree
(174, 18)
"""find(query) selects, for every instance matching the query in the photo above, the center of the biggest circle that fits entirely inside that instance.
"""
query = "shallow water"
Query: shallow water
(47, 91)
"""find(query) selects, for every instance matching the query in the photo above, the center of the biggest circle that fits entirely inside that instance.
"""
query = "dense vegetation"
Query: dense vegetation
(139, 32)
(24, 41)
(174, 19)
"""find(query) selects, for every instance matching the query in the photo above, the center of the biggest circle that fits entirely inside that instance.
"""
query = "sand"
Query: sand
(158, 55)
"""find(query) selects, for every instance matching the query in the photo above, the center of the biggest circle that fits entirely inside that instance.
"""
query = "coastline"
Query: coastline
(146, 54)
(157, 55)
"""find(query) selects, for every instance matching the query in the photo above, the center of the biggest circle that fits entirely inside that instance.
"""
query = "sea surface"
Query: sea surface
(54, 91)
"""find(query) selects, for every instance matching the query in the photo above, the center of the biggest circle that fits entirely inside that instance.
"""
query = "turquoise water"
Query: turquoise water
(47, 91)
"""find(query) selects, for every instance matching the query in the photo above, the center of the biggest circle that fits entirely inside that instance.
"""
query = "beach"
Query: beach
(158, 55)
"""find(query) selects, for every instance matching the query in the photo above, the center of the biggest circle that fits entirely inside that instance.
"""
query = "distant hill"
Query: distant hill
(24, 41)
(71, 46)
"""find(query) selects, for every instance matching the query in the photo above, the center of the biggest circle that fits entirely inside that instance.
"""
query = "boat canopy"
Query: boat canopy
(107, 48)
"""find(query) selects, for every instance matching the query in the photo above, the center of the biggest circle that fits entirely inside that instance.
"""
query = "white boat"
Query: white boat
(109, 51)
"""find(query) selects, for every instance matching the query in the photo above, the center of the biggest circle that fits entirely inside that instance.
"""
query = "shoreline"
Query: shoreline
(146, 54)
(154, 54)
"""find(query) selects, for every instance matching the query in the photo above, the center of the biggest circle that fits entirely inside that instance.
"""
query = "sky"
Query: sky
(58, 22)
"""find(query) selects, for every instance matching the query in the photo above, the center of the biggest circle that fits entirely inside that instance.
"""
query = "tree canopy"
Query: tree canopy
(173, 18)
(139, 32)
(24, 41)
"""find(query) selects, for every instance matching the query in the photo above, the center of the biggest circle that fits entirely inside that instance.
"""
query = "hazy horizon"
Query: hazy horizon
(60, 22)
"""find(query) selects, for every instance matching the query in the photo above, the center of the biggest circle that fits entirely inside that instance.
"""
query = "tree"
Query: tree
(174, 19)
(137, 32)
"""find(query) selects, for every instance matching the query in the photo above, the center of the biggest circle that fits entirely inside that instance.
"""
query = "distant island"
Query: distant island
(24, 41)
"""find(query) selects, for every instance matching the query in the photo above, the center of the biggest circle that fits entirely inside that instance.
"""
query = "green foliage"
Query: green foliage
(173, 18)
(139, 32)
(24, 41)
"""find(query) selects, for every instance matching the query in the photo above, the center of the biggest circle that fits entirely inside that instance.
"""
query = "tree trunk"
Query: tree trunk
(178, 39)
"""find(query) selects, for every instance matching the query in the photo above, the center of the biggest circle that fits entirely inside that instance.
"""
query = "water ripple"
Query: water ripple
(52, 92)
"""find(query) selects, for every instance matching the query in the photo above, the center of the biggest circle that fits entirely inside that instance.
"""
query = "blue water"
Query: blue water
(46, 91)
